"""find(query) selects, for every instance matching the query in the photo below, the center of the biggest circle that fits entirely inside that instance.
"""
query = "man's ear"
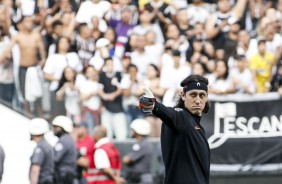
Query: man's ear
(183, 95)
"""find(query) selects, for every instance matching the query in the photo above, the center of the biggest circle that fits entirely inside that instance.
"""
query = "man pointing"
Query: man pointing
(185, 150)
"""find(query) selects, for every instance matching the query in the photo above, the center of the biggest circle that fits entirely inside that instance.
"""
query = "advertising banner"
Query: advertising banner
(245, 132)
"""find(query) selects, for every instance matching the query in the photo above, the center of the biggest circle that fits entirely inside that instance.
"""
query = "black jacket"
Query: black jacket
(185, 150)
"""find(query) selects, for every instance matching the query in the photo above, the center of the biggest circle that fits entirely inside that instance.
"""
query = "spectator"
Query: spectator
(90, 96)
(175, 41)
(129, 85)
(243, 44)
(199, 68)
(242, 76)
(153, 48)
(102, 52)
(182, 22)
(268, 31)
(30, 44)
(261, 65)
(122, 28)
(6, 71)
(68, 24)
(140, 56)
(54, 68)
(113, 118)
(218, 24)
(85, 44)
(54, 32)
(69, 93)
(98, 27)
(85, 146)
(111, 36)
(106, 158)
(140, 157)
(231, 41)
(162, 12)
(257, 10)
(93, 8)
(199, 11)
(125, 62)
(146, 25)
(171, 84)
(220, 81)
(199, 53)
(117, 9)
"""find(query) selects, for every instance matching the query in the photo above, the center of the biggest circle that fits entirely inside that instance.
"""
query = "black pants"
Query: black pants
(7, 92)
(64, 178)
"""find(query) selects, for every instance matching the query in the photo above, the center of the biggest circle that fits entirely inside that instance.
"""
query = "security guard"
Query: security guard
(65, 151)
(185, 149)
(140, 157)
(42, 159)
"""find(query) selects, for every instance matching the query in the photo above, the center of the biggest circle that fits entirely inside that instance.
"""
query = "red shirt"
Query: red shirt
(86, 148)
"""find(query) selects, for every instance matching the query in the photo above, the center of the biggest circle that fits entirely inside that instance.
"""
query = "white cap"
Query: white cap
(102, 42)
(64, 122)
(141, 126)
(38, 126)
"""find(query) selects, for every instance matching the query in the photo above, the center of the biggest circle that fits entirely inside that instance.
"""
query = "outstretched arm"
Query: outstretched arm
(168, 115)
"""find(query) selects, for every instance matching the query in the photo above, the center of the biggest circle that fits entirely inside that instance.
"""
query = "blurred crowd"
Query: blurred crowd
(90, 59)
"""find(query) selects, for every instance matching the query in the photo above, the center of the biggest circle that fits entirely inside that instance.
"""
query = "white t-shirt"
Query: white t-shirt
(141, 30)
(88, 10)
(125, 84)
(72, 99)
(219, 83)
(245, 77)
(141, 60)
(88, 87)
(155, 51)
(56, 63)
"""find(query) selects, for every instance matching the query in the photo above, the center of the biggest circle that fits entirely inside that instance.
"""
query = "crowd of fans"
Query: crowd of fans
(91, 59)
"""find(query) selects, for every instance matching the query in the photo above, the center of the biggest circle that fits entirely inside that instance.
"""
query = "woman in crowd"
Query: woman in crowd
(89, 94)
(220, 82)
(53, 71)
(68, 91)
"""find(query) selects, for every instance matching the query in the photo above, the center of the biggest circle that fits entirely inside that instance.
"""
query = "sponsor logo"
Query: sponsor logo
(228, 125)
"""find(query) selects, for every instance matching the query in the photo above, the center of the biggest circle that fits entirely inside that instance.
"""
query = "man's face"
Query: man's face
(57, 130)
(195, 101)
(28, 23)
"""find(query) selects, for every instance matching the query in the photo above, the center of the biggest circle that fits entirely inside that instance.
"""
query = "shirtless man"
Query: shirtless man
(30, 43)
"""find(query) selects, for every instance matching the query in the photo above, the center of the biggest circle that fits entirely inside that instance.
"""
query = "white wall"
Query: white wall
(15, 140)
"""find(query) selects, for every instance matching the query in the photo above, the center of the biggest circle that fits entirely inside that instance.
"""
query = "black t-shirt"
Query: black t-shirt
(108, 82)
(185, 150)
